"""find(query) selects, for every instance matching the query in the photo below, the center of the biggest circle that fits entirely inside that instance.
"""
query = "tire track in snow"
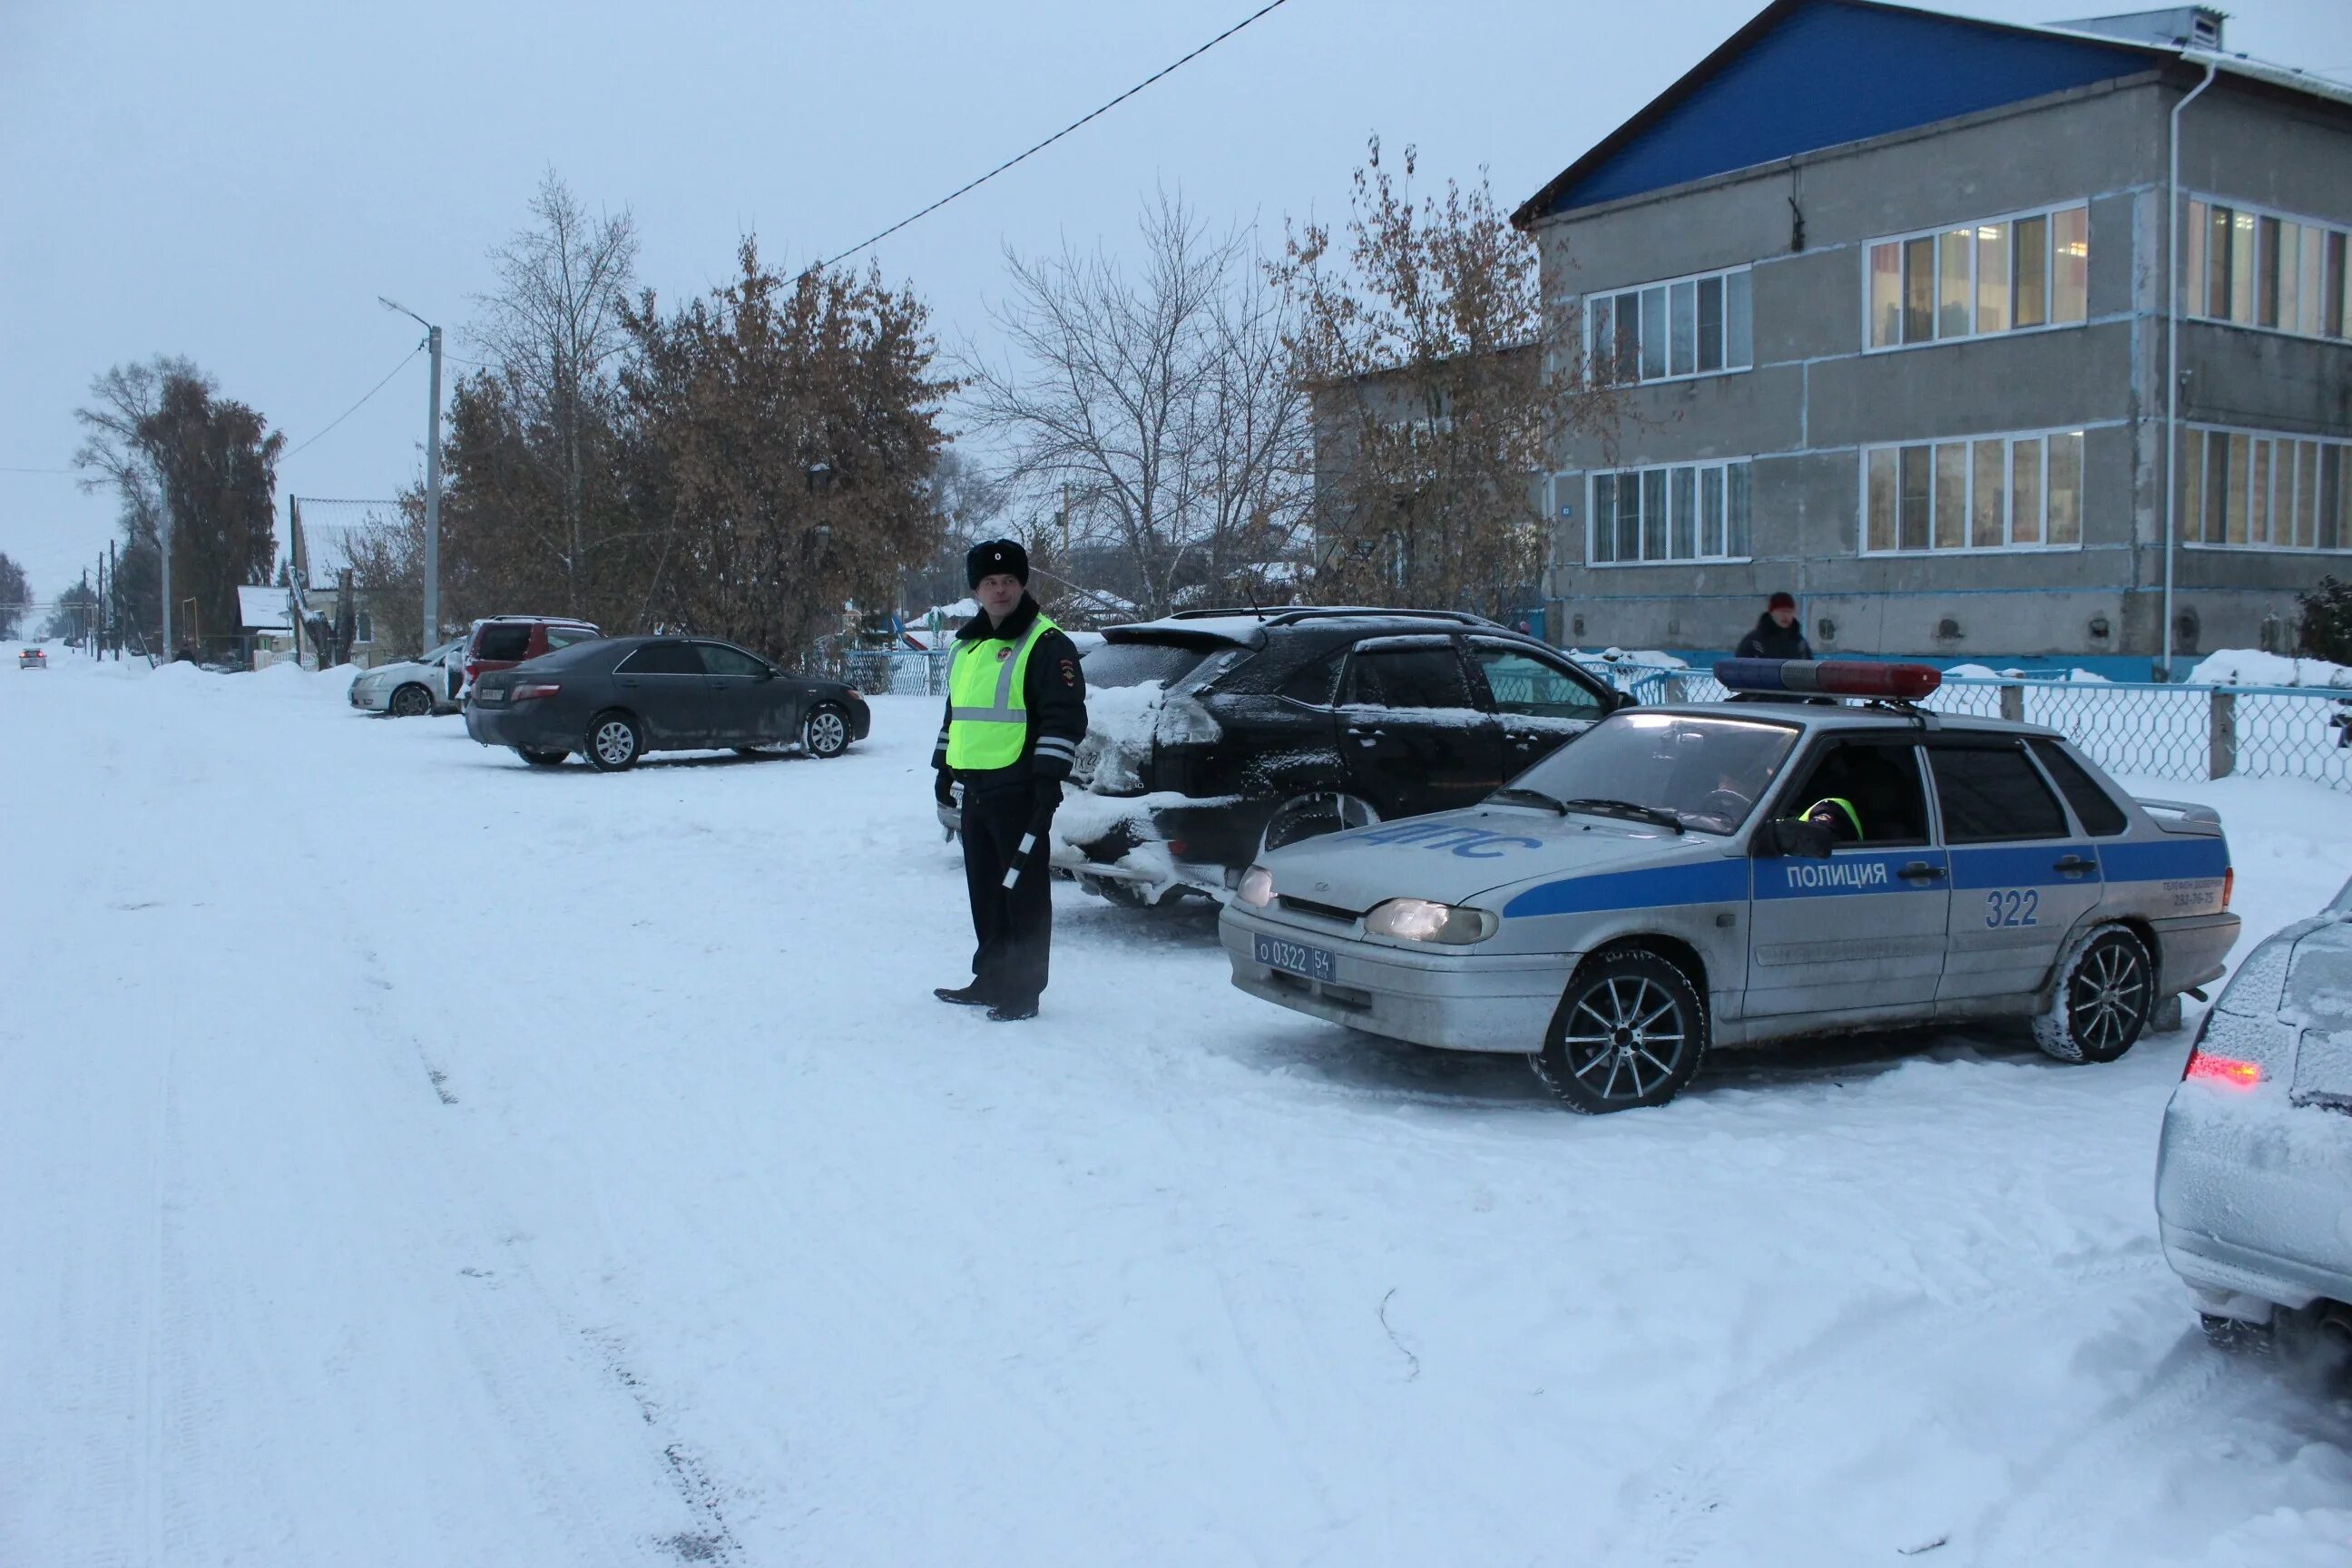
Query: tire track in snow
(1683, 1512)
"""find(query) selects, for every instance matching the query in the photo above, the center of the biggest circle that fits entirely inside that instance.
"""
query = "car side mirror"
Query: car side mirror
(1793, 839)
(767, 672)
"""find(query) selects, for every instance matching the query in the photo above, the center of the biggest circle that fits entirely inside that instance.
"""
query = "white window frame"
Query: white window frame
(1974, 335)
(2343, 546)
(1588, 482)
(2008, 546)
(2195, 204)
(1592, 359)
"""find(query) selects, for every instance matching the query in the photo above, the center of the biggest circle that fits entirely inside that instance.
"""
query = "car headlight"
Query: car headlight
(1256, 888)
(1423, 920)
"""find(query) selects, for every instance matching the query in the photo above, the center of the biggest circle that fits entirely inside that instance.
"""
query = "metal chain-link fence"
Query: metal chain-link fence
(2130, 729)
(897, 671)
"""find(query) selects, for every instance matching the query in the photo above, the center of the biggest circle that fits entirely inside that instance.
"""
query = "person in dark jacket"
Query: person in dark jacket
(1777, 634)
(1016, 712)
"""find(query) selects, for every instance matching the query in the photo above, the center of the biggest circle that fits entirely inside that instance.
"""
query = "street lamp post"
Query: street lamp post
(432, 481)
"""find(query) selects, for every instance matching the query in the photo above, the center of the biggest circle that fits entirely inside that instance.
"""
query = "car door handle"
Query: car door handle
(2074, 866)
(1921, 871)
(1369, 737)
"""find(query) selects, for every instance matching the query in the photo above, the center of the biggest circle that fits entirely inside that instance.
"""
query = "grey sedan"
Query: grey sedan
(2253, 1181)
(616, 698)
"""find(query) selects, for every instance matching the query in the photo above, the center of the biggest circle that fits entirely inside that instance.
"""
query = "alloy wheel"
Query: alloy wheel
(1625, 1036)
(828, 733)
(616, 742)
(2108, 999)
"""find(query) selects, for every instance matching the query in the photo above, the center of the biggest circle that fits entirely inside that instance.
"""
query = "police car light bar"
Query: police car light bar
(1830, 678)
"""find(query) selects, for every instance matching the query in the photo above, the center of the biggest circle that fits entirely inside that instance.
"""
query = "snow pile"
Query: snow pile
(2250, 667)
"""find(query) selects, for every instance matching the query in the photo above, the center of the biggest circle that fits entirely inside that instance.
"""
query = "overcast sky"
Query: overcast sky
(239, 182)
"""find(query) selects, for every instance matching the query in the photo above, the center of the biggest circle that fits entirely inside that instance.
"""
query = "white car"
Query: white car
(2254, 1175)
(413, 686)
(33, 658)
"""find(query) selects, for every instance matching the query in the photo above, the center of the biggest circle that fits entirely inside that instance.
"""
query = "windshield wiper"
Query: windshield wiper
(1520, 792)
(1658, 814)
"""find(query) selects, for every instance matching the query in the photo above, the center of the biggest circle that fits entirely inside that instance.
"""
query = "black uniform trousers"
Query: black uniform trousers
(1016, 925)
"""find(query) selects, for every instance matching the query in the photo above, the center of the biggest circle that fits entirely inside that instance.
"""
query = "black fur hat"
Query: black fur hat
(996, 555)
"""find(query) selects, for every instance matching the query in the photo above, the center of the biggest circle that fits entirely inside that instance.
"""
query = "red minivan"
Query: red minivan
(501, 642)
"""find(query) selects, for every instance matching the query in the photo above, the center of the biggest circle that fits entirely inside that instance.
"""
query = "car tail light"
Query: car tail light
(2229, 885)
(2222, 1069)
(524, 693)
(1179, 846)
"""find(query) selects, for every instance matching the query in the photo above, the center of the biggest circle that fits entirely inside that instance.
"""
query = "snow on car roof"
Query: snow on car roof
(1848, 715)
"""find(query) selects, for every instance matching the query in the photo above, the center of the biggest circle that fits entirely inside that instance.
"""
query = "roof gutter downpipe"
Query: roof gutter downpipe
(2172, 355)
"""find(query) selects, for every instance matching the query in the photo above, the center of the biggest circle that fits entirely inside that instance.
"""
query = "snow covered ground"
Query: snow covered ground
(412, 1158)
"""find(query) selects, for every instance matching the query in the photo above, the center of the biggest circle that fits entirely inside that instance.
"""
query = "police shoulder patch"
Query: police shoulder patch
(1069, 672)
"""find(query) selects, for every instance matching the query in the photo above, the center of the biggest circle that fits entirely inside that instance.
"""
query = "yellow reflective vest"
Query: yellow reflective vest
(988, 709)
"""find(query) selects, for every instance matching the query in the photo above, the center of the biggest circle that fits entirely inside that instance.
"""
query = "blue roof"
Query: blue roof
(1809, 74)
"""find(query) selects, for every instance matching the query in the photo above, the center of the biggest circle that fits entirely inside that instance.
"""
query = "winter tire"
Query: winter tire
(542, 757)
(615, 742)
(1629, 1032)
(2105, 991)
(1312, 816)
(410, 702)
(826, 733)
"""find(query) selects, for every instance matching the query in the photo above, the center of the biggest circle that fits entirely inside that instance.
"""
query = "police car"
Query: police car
(1724, 874)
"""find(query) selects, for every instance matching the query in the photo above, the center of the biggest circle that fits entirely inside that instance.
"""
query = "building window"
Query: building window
(1986, 493)
(1680, 511)
(2028, 269)
(2240, 489)
(365, 632)
(2256, 268)
(1666, 331)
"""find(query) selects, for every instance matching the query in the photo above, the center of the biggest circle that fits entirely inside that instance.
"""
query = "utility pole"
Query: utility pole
(113, 599)
(163, 493)
(432, 481)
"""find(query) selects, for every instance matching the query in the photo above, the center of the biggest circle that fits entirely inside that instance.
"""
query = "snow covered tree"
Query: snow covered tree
(16, 596)
(1424, 335)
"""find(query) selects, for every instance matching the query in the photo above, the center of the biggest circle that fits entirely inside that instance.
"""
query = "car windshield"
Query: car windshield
(1706, 772)
(1133, 663)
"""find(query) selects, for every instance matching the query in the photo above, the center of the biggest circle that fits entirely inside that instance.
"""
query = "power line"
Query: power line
(355, 408)
(3, 471)
(1056, 136)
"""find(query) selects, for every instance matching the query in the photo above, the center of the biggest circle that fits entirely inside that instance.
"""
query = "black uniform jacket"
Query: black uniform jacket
(1769, 641)
(1054, 692)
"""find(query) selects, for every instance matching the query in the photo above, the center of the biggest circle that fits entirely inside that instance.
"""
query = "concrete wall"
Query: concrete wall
(1814, 398)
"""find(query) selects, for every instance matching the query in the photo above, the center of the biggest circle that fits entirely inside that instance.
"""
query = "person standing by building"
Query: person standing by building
(1777, 634)
(1016, 712)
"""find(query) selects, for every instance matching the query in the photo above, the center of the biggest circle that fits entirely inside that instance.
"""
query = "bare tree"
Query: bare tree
(1426, 342)
(111, 455)
(1152, 414)
(554, 326)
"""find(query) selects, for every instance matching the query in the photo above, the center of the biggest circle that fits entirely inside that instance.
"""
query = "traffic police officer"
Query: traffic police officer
(1016, 713)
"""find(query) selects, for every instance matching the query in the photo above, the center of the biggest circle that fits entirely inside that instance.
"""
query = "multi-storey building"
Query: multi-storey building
(1890, 297)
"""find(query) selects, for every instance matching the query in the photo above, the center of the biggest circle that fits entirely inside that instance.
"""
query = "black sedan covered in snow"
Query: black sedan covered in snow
(616, 698)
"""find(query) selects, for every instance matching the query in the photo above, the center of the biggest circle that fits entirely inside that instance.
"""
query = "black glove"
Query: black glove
(1044, 797)
(943, 787)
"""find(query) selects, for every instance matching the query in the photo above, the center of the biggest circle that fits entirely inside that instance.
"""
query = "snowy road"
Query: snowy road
(411, 1158)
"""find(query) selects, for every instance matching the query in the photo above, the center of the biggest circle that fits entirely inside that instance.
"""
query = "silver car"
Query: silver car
(2254, 1175)
(413, 686)
(1730, 873)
